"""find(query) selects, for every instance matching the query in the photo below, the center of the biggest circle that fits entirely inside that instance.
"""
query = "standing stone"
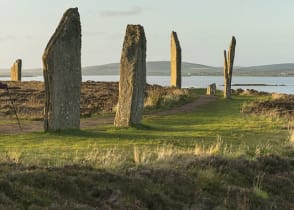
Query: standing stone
(15, 73)
(62, 74)
(176, 61)
(132, 78)
(228, 68)
(211, 89)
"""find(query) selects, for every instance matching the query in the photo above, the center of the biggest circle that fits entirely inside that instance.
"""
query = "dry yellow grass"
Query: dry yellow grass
(292, 136)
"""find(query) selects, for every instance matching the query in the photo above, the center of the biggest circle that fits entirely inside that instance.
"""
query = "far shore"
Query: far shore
(3, 74)
(259, 85)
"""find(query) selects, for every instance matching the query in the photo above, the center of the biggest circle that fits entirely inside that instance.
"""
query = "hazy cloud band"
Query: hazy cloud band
(119, 13)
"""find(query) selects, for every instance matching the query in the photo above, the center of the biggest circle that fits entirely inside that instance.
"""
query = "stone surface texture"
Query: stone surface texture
(62, 74)
(16, 70)
(228, 68)
(176, 61)
(132, 78)
(211, 89)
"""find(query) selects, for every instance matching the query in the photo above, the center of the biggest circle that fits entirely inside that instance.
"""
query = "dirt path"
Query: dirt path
(200, 101)
(37, 126)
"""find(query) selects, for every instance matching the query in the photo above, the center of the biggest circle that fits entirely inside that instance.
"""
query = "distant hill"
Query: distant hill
(153, 68)
(284, 69)
(107, 69)
(157, 68)
(163, 68)
(25, 72)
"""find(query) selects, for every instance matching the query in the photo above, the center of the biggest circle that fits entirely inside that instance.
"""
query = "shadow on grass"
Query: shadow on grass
(108, 133)
(75, 133)
(214, 118)
(91, 133)
(139, 134)
(173, 124)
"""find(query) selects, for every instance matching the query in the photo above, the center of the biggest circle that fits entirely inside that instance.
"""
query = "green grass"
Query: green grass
(240, 135)
(212, 158)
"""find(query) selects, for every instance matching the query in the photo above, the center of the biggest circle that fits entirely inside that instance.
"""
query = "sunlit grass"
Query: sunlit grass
(217, 128)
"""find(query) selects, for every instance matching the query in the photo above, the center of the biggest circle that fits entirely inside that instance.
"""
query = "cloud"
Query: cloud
(136, 10)
(29, 37)
(94, 33)
(7, 38)
(12, 38)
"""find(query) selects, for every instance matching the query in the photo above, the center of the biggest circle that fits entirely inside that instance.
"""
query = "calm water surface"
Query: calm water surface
(277, 84)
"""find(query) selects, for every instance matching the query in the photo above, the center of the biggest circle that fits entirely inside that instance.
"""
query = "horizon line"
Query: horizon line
(189, 62)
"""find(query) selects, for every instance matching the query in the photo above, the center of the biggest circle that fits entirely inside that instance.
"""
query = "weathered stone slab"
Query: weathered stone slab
(62, 74)
(228, 68)
(176, 61)
(132, 78)
(211, 89)
(15, 73)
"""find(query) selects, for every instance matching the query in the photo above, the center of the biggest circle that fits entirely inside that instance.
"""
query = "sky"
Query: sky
(263, 28)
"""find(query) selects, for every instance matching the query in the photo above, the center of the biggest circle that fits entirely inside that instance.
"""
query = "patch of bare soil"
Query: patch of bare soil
(29, 98)
(200, 101)
(279, 105)
(251, 92)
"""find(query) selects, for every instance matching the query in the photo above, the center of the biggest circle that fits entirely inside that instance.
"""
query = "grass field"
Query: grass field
(220, 122)
(212, 157)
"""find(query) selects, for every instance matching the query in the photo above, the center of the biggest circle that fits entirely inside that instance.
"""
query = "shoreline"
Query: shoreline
(246, 84)
(7, 75)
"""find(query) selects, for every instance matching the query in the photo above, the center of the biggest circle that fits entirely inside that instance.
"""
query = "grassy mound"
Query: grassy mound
(278, 105)
(183, 182)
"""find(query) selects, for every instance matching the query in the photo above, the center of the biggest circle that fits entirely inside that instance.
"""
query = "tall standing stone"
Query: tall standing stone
(132, 78)
(15, 73)
(62, 74)
(228, 68)
(176, 61)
